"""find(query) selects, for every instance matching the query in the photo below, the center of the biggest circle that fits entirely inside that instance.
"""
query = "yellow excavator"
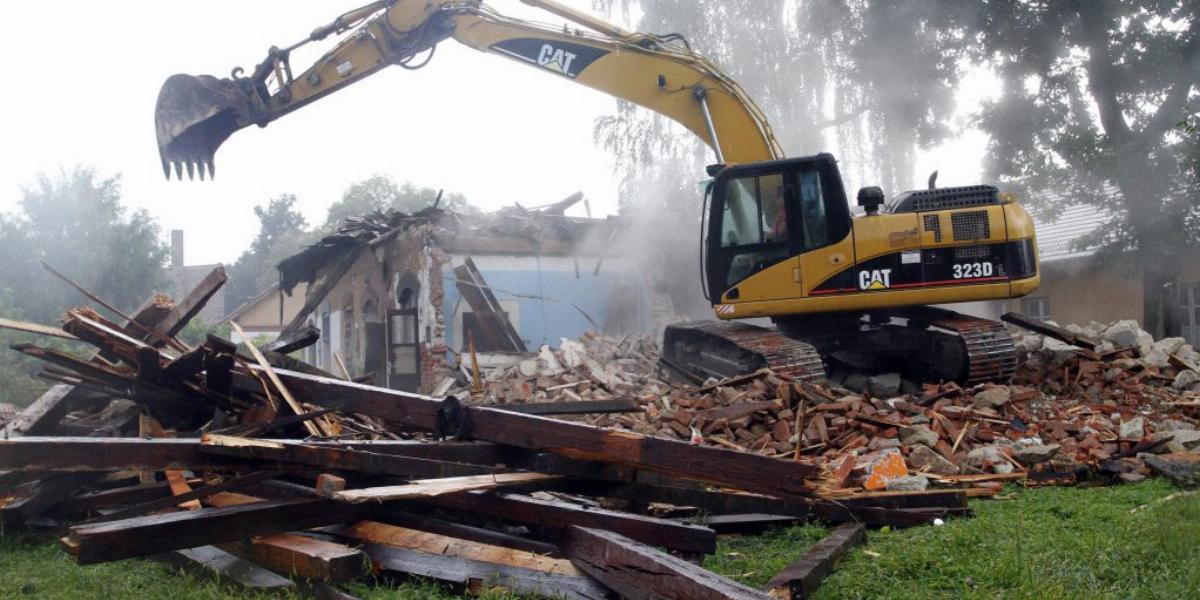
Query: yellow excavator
(779, 238)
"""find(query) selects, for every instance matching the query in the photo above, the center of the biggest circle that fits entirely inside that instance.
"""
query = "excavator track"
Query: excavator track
(991, 353)
(980, 350)
(727, 349)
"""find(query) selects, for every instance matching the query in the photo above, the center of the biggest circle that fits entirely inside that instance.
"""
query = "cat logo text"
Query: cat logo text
(876, 279)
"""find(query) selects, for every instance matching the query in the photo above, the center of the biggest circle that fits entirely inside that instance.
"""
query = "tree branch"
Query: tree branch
(1171, 110)
(842, 118)
(1100, 70)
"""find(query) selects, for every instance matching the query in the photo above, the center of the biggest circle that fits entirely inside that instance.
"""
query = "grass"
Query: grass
(1037, 543)
(1040, 543)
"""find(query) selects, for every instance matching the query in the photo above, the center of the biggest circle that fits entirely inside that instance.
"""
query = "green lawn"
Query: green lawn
(1041, 543)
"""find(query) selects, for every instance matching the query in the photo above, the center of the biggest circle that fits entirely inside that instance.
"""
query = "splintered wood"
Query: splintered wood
(251, 465)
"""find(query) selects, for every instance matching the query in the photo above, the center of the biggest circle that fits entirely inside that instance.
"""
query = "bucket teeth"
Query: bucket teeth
(191, 169)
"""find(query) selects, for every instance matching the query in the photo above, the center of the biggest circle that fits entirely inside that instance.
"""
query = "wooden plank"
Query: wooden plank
(494, 325)
(143, 536)
(716, 502)
(123, 496)
(466, 532)
(45, 413)
(583, 407)
(745, 523)
(314, 427)
(477, 575)
(282, 452)
(35, 329)
(81, 454)
(802, 578)
(191, 305)
(39, 497)
(301, 556)
(402, 537)
(295, 340)
(558, 515)
(743, 470)
(429, 488)
(207, 561)
(1044, 328)
(188, 496)
(639, 572)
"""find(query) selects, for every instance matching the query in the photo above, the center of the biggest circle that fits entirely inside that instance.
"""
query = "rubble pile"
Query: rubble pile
(247, 465)
(1070, 413)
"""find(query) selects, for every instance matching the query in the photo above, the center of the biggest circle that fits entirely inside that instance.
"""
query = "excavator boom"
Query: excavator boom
(196, 114)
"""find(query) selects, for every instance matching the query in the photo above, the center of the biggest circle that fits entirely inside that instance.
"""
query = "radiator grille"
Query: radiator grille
(934, 224)
(972, 253)
(971, 225)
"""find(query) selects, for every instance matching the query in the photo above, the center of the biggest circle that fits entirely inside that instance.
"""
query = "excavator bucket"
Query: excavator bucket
(194, 115)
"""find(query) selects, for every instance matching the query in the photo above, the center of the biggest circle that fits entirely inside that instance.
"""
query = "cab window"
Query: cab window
(754, 225)
(813, 224)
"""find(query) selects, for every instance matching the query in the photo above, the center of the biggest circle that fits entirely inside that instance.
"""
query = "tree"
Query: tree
(381, 193)
(1096, 93)
(868, 75)
(282, 232)
(76, 223)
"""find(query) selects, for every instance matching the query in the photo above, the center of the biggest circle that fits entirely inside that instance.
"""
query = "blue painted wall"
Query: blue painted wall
(547, 322)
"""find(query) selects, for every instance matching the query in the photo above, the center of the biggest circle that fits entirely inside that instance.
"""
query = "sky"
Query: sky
(85, 76)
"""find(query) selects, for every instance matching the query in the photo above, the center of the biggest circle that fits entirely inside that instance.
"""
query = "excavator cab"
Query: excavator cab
(762, 216)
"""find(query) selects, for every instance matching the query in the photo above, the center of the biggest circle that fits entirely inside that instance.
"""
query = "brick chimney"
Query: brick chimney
(176, 248)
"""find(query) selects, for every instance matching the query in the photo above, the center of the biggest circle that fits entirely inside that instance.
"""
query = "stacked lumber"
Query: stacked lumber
(266, 472)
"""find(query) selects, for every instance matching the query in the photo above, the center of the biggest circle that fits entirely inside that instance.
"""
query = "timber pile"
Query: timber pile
(250, 465)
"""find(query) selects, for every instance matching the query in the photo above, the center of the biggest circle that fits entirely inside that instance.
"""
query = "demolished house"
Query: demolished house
(404, 298)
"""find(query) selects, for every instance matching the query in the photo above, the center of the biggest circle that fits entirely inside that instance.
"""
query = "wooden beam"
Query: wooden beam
(1044, 328)
(81, 454)
(35, 329)
(639, 572)
(481, 535)
(191, 305)
(211, 562)
(584, 407)
(743, 470)
(432, 543)
(802, 578)
(301, 556)
(429, 488)
(38, 497)
(717, 502)
(323, 457)
(189, 496)
(478, 576)
(745, 523)
(314, 427)
(558, 515)
(143, 536)
(123, 496)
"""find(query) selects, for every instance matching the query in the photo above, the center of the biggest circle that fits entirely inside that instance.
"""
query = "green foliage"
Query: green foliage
(195, 332)
(1093, 92)
(382, 193)
(282, 232)
(77, 224)
(871, 74)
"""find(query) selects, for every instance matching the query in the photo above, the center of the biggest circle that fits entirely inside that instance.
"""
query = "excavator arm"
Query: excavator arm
(196, 114)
